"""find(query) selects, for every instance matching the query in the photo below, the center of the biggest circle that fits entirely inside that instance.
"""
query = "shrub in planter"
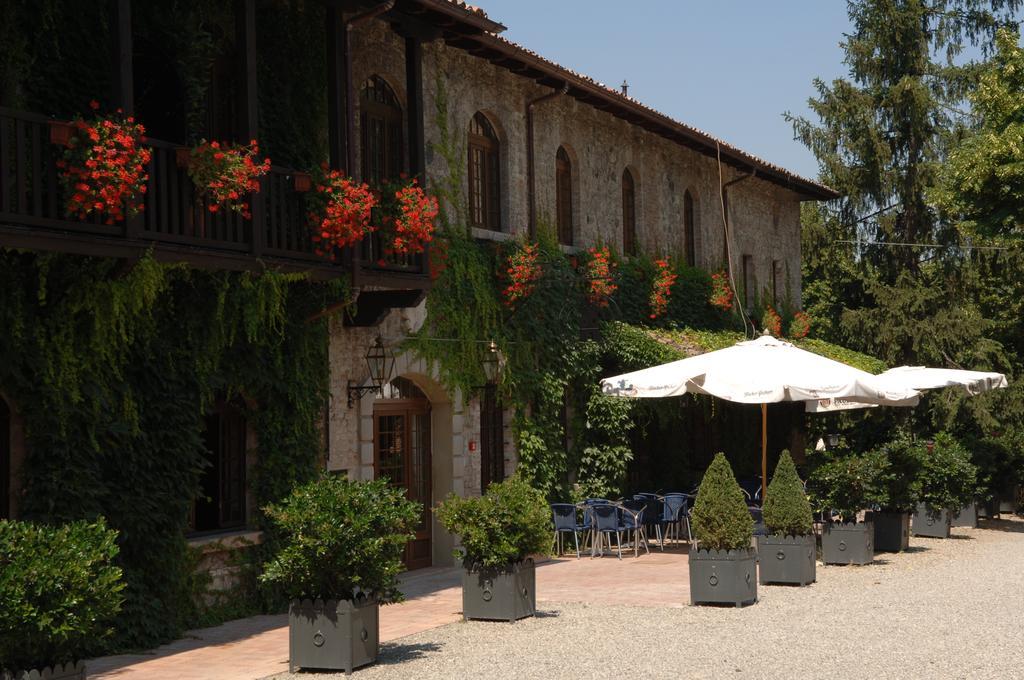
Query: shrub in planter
(948, 481)
(59, 591)
(341, 554)
(723, 565)
(787, 554)
(896, 491)
(841, 485)
(499, 532)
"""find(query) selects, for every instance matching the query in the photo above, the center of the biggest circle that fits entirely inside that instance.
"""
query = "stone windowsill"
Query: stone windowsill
(489, 235)
(226, 540)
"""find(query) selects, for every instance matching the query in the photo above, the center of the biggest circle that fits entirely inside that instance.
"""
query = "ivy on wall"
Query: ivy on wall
(113, 369)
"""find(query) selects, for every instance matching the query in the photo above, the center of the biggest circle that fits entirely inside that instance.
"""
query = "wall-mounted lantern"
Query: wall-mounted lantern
(381, 362)
(492, 363)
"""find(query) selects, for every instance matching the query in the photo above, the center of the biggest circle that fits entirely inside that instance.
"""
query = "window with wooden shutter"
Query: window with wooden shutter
(628, 213)
(383, 154)
(221, 501)
(690, 229)
(492, 439)
(563, 197)
(484, 175)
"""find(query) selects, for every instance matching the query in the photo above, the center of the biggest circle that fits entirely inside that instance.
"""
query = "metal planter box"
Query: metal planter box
(334, 635)
(966, 516)
(931, 524)
(852, 543)
(786, 559)
(68, 671)
(494, 594)
(723, 577)
(892, 530)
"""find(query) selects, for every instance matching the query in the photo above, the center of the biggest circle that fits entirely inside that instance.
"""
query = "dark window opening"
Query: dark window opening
(222, 99)
(689, 229)
(484, 175)
(777, 280)
(748, 282)
(492, 439)
(383, 156)
(563, 196)
(5, 460)
(628, 213)
(221, 501)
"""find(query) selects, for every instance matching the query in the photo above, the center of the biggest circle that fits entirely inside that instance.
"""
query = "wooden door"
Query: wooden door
(401, 435)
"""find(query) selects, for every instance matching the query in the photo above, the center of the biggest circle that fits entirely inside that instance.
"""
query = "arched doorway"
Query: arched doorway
(5, 460)
(402, 454)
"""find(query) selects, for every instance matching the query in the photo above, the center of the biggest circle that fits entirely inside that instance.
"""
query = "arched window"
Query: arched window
(628, 213)
(690, 229)
(563, 196)
(484, 175)
(5, 460)
(380, 132)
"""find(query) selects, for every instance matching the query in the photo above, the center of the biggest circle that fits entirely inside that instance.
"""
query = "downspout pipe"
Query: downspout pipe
(350, 87)
(530, 173)
(722, 188)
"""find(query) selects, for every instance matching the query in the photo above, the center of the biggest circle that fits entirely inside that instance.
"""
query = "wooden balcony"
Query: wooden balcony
(176, 224)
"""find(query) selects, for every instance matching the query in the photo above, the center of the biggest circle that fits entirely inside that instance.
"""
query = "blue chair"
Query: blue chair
(633, 520)
(675, 513)
(564, 518)
(606, 523)
(752, 488)
(653, 511)
(758, 516)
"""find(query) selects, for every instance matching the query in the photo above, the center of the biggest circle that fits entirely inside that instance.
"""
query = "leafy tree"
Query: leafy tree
(720, 517)
(843, 483)
(948, 478)
(898, 484)
(786, 508)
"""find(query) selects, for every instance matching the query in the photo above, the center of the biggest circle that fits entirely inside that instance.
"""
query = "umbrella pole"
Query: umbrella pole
(764, 451)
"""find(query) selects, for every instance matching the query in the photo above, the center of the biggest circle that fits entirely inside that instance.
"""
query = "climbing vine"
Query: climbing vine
(113, 367)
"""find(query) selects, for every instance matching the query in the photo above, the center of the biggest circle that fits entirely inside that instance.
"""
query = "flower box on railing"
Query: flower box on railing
(303, 181)
(61, 132)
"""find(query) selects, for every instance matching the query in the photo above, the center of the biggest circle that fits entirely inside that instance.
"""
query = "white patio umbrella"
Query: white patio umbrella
(921, 378)
(762, 371)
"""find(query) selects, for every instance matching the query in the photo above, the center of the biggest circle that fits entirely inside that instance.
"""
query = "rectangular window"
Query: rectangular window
(221, 501)
(778, 283)
(749, 282)
(492, 439)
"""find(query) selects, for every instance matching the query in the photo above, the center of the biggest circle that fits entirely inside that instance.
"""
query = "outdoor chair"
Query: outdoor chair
(757, 515)
(564, 518)
(606, 523)
(752, 488)
(653, 510)
(675, 512)
(632, 518)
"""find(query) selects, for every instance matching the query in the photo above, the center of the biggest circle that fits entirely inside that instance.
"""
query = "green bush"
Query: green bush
(340, 539)
(843, 483)
(899, 464)
(786, 508)
(948, 478)
(506, 525)
(721, 520)
(59, 591)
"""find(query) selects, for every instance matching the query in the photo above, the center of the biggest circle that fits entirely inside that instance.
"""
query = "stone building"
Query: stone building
(544, 148)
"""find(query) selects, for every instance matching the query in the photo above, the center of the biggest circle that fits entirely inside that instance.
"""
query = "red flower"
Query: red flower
(340, 210)
(600, 276)
(226, 173)
(771, 321)
(800, 326)
(721, 291)
(523, 271)
(662, 288)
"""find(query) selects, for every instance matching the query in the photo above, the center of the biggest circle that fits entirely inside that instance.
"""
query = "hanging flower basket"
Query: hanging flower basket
(104, 166)
(523, 272)
(405, 217)
(226, 173)
(339, 212)
(661, 291)
(800, 326)
(771, 321)
(600, 272)
(721, 292)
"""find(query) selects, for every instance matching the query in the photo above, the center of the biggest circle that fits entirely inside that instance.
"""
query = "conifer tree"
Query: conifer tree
(786, 508)
(720, 517)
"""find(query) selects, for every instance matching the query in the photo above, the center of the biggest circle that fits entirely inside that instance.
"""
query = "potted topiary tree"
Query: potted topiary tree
(341, 554)
(60, 590)
(896, 491)
(788, 553)
(500, 531)
(841, 485)
(722, 565)
(948, 480)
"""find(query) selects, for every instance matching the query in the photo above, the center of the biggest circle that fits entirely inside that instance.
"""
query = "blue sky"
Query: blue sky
(730, 67)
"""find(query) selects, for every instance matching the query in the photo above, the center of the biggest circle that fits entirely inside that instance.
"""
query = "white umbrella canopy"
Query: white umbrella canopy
(761, 371)
(921, 378)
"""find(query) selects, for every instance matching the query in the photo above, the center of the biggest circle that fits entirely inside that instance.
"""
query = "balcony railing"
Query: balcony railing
(175, 215)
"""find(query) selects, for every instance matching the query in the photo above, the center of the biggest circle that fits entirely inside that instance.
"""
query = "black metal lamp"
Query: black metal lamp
(833, 440)
(492, 362)
(381, 362)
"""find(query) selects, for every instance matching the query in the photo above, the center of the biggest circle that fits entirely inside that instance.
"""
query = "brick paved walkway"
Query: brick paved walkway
(257, 647)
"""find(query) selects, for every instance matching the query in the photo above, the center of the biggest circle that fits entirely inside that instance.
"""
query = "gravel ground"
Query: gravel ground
(945, 609)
